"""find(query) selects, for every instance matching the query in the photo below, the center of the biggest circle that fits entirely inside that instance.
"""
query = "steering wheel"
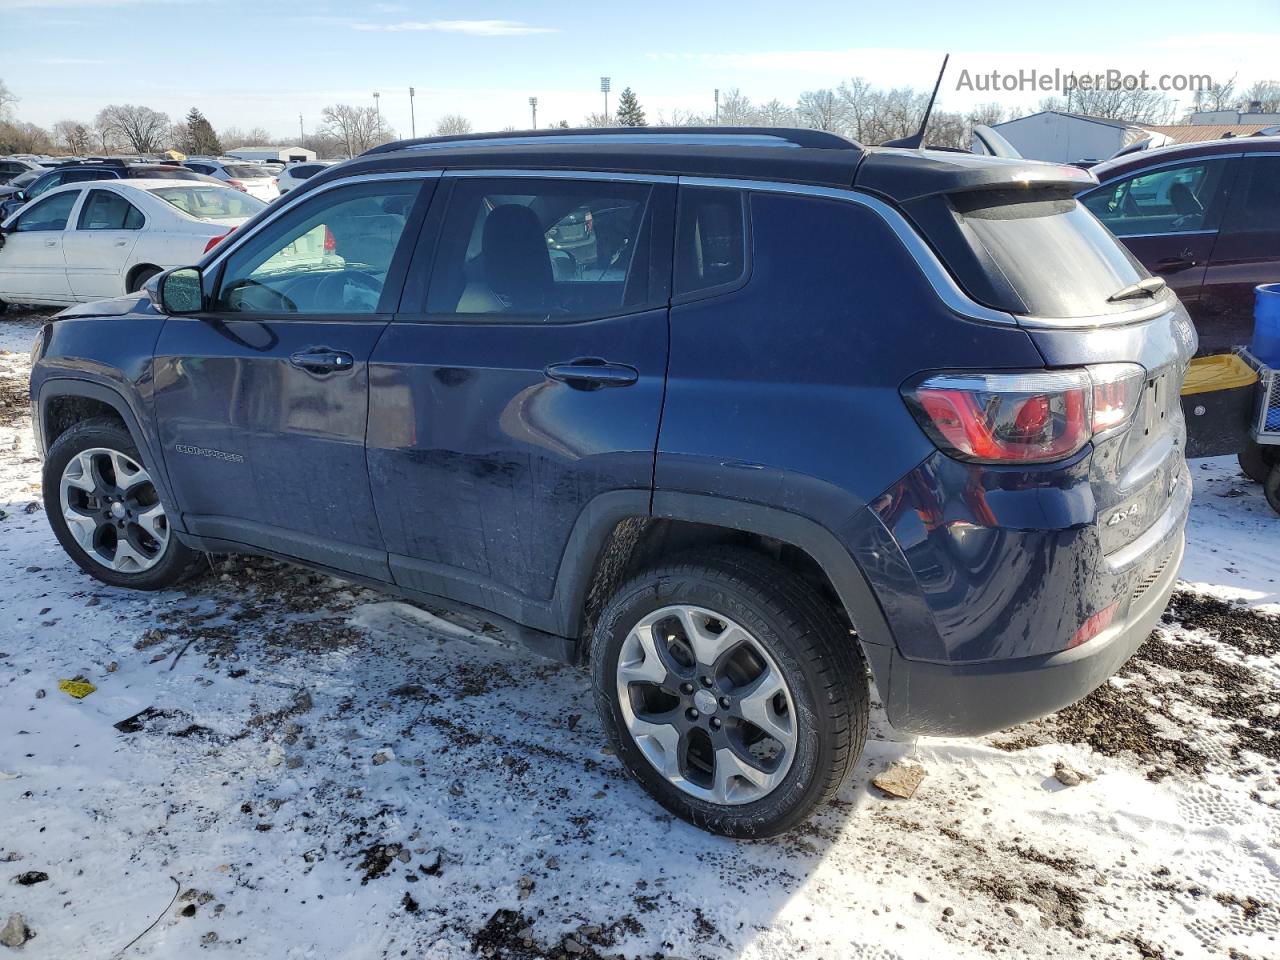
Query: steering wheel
(249, 296)
(332, 289)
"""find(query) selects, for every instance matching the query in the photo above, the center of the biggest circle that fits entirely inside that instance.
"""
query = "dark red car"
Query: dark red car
(1206, 218)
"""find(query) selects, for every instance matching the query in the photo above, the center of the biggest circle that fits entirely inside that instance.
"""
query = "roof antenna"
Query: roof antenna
(916, 140)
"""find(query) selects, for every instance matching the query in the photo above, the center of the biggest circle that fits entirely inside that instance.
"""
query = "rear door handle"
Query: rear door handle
(323, 361)
(592, 373)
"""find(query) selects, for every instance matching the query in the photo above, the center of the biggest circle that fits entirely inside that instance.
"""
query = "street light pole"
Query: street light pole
(533, 104)
(302, 137)
(604, 88)
(717, 106)
(377, 106)
(413, 122)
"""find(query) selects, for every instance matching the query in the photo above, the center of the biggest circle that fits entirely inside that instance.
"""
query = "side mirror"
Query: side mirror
(21, 196)
(180, 291)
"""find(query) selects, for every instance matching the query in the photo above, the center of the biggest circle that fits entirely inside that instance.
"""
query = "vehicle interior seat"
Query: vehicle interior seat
(1184, 201)
(515, 267)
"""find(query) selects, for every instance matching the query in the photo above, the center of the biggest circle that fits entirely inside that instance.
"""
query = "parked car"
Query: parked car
(20, 182)
(252, 178)
(89, 241)
(84, 172)
(294, 173)
(808, 408)
(1206, 218)
(12, 168)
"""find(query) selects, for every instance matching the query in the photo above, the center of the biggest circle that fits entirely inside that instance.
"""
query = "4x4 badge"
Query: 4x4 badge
(207, 452)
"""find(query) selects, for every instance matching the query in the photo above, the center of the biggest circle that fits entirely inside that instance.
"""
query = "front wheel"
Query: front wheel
(1257, 460)
(105, 510)
(731, 691)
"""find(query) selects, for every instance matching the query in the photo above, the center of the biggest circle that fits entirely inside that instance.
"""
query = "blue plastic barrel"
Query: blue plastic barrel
(1266, 324)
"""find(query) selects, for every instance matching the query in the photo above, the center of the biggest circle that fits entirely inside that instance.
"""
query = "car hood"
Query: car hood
(134, 303)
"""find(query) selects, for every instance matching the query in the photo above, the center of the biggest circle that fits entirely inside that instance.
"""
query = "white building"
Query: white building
(1068, 137)
(285, 154)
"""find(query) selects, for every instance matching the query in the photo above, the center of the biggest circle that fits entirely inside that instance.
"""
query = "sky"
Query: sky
(261, 63)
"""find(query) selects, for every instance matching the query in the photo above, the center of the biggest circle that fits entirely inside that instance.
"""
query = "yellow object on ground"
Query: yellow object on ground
(1222, 371)
(76, 688)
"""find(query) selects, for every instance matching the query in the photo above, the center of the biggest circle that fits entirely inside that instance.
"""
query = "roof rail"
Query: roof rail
(691, 136)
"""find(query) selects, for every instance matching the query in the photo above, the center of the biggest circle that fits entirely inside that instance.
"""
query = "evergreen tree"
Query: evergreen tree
(200, 137)
(630, 113)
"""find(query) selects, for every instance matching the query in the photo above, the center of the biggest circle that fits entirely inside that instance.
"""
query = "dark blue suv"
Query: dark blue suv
(741, 419)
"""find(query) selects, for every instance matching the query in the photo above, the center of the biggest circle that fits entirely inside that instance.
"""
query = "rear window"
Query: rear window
(162, 173)
(711, 240)
(1052, 252)
(245, 171)
(210, 202)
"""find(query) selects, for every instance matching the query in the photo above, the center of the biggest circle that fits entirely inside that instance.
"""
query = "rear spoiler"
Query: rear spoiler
(902, 176)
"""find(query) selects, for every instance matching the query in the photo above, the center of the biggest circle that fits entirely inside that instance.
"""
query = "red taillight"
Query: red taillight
(238, 185)
(330, 244)
(214, 241)
(1093, 626)
(1024, 417)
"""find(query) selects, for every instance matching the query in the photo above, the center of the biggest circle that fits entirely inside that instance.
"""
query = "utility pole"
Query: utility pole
(413, 123)
(717, 106)
(533, 104)
(377, 106)
(302, 137)
(604, 88)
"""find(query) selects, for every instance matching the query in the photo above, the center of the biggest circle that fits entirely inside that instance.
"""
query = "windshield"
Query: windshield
(209, 203)
(245, 171)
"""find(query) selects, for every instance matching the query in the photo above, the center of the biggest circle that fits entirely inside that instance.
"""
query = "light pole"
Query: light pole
(413, 122)
(717, 106)
(302, 141)
(377, 106)
(604, 88)
(533, 104)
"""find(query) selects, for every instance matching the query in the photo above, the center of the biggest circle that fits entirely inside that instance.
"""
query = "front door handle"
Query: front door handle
(51, 243)
(323, 361)
(592, 373)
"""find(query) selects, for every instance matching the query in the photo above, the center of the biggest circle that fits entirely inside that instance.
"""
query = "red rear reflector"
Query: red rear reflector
(238, 185)
(1093, 626)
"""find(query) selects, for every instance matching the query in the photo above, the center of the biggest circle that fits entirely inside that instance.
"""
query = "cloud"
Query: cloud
(71, 62)
(475, 28)
(82, 4)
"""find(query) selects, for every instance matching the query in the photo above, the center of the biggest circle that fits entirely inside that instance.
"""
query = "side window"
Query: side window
(302, 171)
(46, 183)
(104, 210)
(711, 239)
(1257, 209)
(1173, 199)
(554, 249)
(330, 254)
(50, 213)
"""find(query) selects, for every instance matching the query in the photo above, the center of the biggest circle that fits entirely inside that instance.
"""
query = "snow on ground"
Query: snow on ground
(317, 771)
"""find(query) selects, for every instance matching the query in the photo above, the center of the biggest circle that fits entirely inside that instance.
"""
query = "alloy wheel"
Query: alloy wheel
(112, 509)
(707, 705)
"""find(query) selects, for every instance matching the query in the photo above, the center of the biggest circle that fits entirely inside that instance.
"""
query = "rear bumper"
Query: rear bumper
(938, 699)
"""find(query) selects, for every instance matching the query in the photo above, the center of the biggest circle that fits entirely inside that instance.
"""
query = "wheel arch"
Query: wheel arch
(137, 270)
(616, 537)
(63, 402)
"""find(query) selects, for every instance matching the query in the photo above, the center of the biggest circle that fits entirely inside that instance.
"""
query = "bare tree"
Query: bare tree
(1217, 96)
(775, 113)
(736, 109)
(987, 113)
(821, 110)
(75, 136)
(597, 120)
(453, 125)
(355, 129)
(7, 101)
(142, 129)
(681, 118)
(20, 137)
(1265, 93)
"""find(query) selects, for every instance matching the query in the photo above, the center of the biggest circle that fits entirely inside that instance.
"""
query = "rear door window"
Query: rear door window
(554, 249)
(711, 241)
(104, 210)
(1174, 199)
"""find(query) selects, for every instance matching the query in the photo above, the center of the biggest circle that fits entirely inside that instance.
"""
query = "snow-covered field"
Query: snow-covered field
(316, 771)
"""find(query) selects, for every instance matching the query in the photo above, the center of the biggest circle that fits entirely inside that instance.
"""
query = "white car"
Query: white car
(253, 178)
(105, 238)
(294, 174)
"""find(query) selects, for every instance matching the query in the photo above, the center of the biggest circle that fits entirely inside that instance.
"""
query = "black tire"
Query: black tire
(3, 307)
(140, 279)
(821, 662)
(176, 561)
(1272, 488)
(1256, 461)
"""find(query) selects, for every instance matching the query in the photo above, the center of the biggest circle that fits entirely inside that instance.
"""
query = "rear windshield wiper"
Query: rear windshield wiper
(1149, 287)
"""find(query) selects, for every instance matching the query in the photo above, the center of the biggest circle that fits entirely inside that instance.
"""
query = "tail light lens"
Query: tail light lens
(330, 243)
(238, 185)
(1025, 417)
(214, 241)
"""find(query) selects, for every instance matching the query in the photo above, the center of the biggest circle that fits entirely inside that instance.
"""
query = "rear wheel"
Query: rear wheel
(1272, 488)
(1256, 461)
(731, 690)
(106, 512)
(140, 278)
